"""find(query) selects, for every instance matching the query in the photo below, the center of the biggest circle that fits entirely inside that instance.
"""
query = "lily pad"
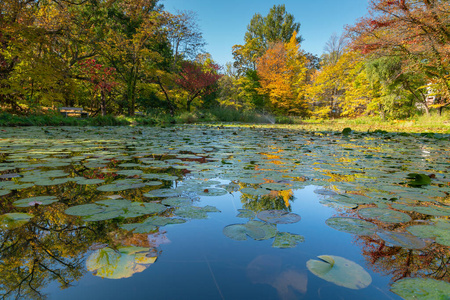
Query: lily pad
(384, 215)
(340, 271)
(212, 192)
(246, 214)
(39, 200)
(418, 180)
(269, 230)
(120, 263)
(4, 192)
(177, 201)
(287, 240)
(14, 220)
(86, 181)
(255, 192)
(440, 230)
(278, 217)
(193, 212)
(421, 288)
(404, 240)
(352, 225)
(84, 210)
(240, 232)
(325, 192)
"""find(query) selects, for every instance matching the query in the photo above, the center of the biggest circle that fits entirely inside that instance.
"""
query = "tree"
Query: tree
(184, 35)
(262, 32)
(282, 71)
(197, 80)
(102, 79)
(415, 31)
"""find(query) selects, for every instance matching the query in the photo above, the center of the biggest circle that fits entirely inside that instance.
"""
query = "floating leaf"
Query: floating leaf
(86, 181)
(255, 192)
(269, 230)
(278, 217)
(84, 210)
(404, 240)
(212, 192)
(139, 227)
(240, 232)
(287, 240)
(41, 200)
(246, 214)
(418, 179)
(325, 192)
(342, 272)
(104, 215)
(14, 220)
(421, 288)
(4, 192)
(177, 201)
(193, 212)
(120, 263)
(384, 215)
(352, 225)
(440, 231)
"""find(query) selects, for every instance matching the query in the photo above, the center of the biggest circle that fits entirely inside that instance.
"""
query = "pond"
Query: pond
(223, 212)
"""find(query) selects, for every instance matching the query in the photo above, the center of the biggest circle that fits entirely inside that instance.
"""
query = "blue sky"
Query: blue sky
(224, 22)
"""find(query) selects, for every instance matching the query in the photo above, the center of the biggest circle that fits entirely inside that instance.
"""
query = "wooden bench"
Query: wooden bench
(73, 111)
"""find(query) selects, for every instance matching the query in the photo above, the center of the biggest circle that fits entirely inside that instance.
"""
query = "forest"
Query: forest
(128, 57)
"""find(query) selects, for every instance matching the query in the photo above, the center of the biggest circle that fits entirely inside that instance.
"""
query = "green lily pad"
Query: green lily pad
(139, 227)
(14, 220)
(39, 200)
(212, 192)
(352, 225)
(269, 230)
(404, 240)
(4, 192)
(287, 240)
(177, 201)
(246, 214)
(163, 193)
(193, 212)
(84, 210)
(384, 215)
(107, 214)
(340, 271)
(255, 192)
(137, 209)
(120, 263)
(421, 288)
(278, 217)
(240, 232)
(418, 180)
(325, 192)
(129, 172)
(121, 185)
(86, 181)
(440, 230)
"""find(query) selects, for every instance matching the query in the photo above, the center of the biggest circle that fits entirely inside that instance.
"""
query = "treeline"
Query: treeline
(123, 56)
(393, 63)
(108, 56)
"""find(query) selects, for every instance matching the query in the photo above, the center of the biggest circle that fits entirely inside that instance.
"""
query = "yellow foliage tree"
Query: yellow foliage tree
(282, 72)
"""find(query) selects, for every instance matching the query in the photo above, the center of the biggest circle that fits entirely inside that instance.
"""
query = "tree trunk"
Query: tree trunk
(103, 102)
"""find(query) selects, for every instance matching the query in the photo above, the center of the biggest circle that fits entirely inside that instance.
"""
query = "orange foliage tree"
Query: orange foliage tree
(282, 71)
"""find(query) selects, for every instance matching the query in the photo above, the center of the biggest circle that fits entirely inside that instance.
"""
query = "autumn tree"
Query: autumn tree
(282, 71)
(415, 31)
(197, 80)
(102, 80)
(277, 26)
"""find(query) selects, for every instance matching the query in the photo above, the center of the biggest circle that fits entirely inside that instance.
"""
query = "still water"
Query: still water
(213, 212)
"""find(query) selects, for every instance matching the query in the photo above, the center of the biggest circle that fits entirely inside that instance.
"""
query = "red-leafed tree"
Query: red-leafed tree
(102, 79)
(416, 31)
(197, 80)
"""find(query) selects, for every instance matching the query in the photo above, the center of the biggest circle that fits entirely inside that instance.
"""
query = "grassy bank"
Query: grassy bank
(420, 124)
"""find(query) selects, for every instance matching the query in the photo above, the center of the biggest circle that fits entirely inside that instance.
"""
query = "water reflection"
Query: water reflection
(173, 169)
